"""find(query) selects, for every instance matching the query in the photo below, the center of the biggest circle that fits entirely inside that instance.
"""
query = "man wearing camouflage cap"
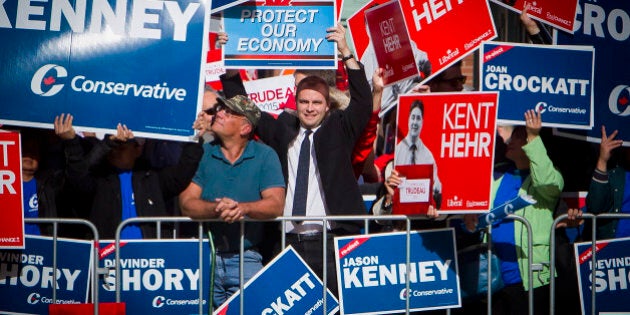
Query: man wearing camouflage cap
(237, 178)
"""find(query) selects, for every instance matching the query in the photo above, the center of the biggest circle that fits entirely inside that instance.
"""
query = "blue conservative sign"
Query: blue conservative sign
(290, 35)
(286, 285)
(155, 277)
(375, 266)
(27, 276)
(134, 62)
(612, 279)
(555, 81)
(605, 25)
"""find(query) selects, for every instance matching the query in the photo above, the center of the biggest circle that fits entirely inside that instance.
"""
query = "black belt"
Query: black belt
(237, 251)
(305, 237)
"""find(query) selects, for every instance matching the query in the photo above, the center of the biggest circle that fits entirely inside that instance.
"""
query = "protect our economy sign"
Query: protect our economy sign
(136, 62)
(280, 34)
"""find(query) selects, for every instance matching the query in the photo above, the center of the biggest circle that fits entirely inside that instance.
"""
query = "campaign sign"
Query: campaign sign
(556, 81)
(391, 42)
(27, 276)
(448, 30)
(368, 54)
(271, 94)
(280, 34)
(214, 67)
(358, 28)
(604, 24)
(451, 131)
(156, 276)
(375, 266)
(12, 223)
(414, 195)
(612, 270)
(286, 285)
(104, 62)
(559, 14)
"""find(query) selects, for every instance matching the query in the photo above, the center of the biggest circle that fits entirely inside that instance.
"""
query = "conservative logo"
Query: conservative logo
(33, 298)
(47, 77)
(45, 82)
(403, 294)
(158, 301)
(543, 107)
(619, 100)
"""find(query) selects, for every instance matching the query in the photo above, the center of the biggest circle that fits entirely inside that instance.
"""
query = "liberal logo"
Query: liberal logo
(619, 100)
(44, 82)
(541, 107)
(33, 298)
(158, 301)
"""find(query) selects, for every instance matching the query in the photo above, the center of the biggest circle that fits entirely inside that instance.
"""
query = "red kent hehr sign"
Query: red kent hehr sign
(458, 130)
(12, 223)
(448, 30)
(358, 30)
(391, 42)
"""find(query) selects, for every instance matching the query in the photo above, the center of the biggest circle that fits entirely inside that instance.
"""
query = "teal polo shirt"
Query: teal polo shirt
(257, 169)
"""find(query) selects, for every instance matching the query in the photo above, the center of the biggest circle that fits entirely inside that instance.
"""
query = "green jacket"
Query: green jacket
(545, 185)
(605, 195)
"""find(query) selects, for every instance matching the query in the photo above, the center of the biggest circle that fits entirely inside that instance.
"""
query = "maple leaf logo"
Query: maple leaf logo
(49, 80)
(278, 2)
(623, 101)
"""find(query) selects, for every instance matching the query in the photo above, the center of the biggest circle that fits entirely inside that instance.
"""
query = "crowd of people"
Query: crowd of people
(310, 161)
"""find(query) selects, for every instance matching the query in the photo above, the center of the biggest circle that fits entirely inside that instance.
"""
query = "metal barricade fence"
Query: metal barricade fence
(55, 223)
(586, 216)
(366, 219)
(281, 220)
(530, 270)
(324, 219)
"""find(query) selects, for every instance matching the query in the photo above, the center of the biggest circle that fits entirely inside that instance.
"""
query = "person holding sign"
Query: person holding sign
(535, 175)
(320, 181)
(42, 188)
(609, 191)
(117, 187)
(237, 178)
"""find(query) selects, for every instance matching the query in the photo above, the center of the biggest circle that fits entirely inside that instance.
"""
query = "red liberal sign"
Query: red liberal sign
(391, 42)
(358, 30)
(559, 14)
(455, 133)
(12, 223)
(447, 30)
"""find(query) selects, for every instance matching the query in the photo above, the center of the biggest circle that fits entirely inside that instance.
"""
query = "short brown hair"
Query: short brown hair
(314, 83)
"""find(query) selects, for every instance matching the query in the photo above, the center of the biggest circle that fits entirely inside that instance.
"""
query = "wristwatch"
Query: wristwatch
(346, 58)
